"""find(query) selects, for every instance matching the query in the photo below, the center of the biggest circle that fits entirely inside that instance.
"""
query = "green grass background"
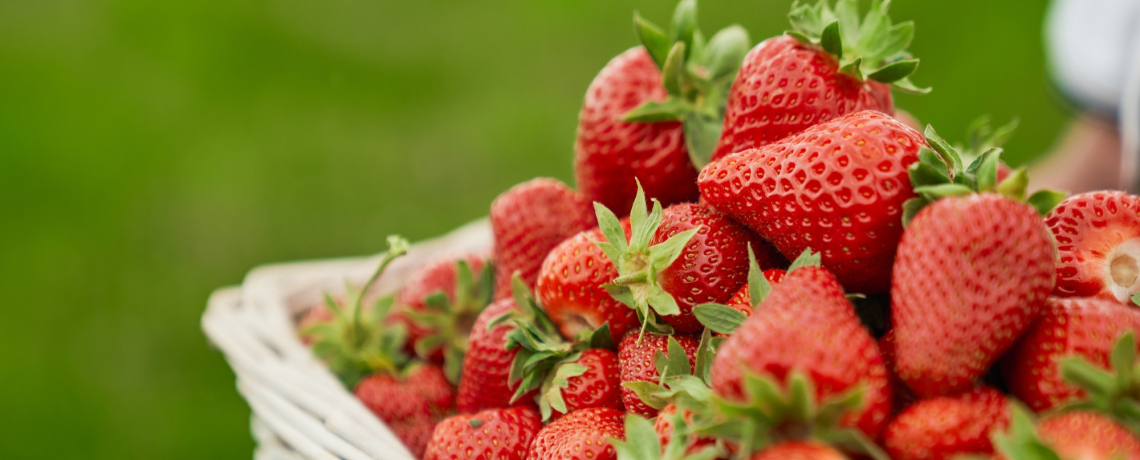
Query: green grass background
(151, 151)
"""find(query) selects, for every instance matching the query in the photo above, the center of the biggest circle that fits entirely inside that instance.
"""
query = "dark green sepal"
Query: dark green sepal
(642, 443)
(444, 318)
(1020, 441)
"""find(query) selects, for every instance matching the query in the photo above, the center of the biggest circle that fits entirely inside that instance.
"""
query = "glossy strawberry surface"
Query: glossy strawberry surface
(636, 356)
(944, 427)
(582, 434)
(498, 434)
(487, 364)
(598, 386)
(569, 288)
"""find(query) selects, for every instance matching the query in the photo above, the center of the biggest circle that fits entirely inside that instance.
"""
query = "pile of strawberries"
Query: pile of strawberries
(761, 262)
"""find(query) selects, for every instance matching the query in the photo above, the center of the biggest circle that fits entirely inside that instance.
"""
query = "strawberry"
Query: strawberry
(570, 287)
(1068, 327)
(799, 450)
(501, 434)
(639, 123)
(643, 441)
(637, 355)
(943, 427)
(903, 396)
(816, 73)
(678, 257)
(528, 221)
(1098, 245)
(1069, 435)
(486, 366)
(439, 302)
(567, 375)
(409, 405)
(725, 319)
(973, 269)
(583, 434)
(838, 188)
(742, 300)
(666, 425)
(806, 341)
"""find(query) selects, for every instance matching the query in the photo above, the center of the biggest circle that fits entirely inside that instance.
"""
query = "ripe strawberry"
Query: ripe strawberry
(637, 358)
(664, 426)
(799, 450)
(679, 257)
(1069, 435)
(806, 339)
(501, 434)
(1098, 244)
(583, 434)
(637, 123)
(486, 366)
(816, 73)
(837, 188)
(903, 396)
(1068, 327)
(410, 404)
(943, 427)
(439, 302)
(742, 300)
(570, 287)
(528, 221)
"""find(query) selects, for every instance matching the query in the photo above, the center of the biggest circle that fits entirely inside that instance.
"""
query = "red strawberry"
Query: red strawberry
(439, 302)
(742, 300)
(1098, 244)
(806, 337)
(486, 366)
(943, 427)
(528, 221)
(599, 385)
(570, 288)
(903, 396)
(638, 124)
(790, 83)
(409, 405)
(971, 275)
(681, 256)
(664, 426)
(837, 188)
(582, 434)
(799, 450)
(636, 355)
(500, 434)
(1078, 435)
(1088, 328)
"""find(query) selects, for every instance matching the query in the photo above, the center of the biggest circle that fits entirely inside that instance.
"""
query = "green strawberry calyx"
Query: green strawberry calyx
(1115, 392)
(642, 443)
(697, 75)
(449, 320)
(358, 342)
(867, 47)
(772, 413)
(545, 361)
(680, 384)
(941, 172)
(724, 319)
(1020, 441)
(639, 265)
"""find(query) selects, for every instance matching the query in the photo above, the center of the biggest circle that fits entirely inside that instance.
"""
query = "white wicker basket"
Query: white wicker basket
(300, 410)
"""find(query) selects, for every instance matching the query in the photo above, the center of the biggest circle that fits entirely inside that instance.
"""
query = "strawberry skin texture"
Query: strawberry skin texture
(505, 434)
(410, 407)
(569, 287)
(742, 300)
(837, 188)
(784, 87)
(972, 273)
(943, 427)
(486, 366)
(609, 153)
(713, 265)
(1098, 245)
(1088, 436)
(432, 277)
(580, 435)
(637, 364)
(528, 221)
(806, 325)
(599, 386)
(1085, 327)
(799, 450)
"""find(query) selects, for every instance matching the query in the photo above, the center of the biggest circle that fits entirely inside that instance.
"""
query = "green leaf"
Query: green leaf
(906, 86)
(706, 352)
(854, 69)
(725, 52)
(663, 302)
(671, 109)
(673, 72)
(475, 423)
(897, 39)
(719, 318)
(611, 229)
(893, 72)
(642, 225)
(1045, 200)
(924, 174)
(684, 23)
(702, 133)
(911, 207)
(641, 442)
(935, 192)
(653, 39)
(948, 154)
(1136, 299)
(663, 254)
(758, 285)
(645, 392)
(678, 360)
(987, 167)
(831, 41)
(808, 258)
(601, 338)
(1078, 371)
(1013, 187)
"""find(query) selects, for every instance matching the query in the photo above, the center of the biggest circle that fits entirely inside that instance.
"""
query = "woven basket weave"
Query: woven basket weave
(300, 409)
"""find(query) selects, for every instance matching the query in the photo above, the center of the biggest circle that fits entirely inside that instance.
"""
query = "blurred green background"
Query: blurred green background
(151, 151)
